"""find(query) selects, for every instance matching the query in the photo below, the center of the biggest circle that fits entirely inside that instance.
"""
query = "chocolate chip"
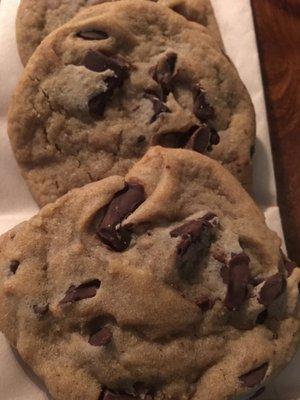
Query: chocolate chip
(272, 289)
(40, 310)
(224, 272)
(252, 151)
(257, 393)
(98, 103)
(262, 317)
(92, 35)
(122, 205)
(195, 239)
(99, 62)
(289, 266)
(196, 138)
(101, 338)
(141, 390)
(214, 139)
(200, 140)
(110, 395)
(158, 106)
(202, 109)
(164, 71)
(256, 280)
(14, 265)
(205, 303)
(192, 232)
(174, 140)
(255, 376)
(141, 139)
(238, 279)
(84, 291)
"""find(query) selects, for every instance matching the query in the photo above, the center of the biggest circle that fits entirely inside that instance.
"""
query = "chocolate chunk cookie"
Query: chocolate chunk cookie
(165, 284)
(118, 78)
(37, 18)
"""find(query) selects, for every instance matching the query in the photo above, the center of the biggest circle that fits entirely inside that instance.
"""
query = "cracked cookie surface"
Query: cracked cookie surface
(118, 78)
(162, 285)
(37, 18)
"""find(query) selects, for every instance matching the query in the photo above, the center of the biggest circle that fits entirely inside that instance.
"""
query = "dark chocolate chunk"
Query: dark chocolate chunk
(214, 139)
(200, 140)
(257, 393)
(141, 139)
(255, 376)
(205, 303)
(14, 265)
(101, 338)
(196, 138)
(158, 106)
(262, 317)
(238, 279)
(97, 104)
(164, 71)
(224, 272)
(256, 280)
(202, 109)
(195, 239)
(289, 265)
(41, 310)
(110, 395)
(122, 205)
(273, 287)
(192, 232)
(84, 291)
(92, 35)
(99, 62)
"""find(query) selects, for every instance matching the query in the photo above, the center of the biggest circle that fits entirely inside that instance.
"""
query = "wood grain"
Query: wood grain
(277, 24)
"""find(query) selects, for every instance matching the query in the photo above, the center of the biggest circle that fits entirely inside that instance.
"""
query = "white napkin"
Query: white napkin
(16, 204)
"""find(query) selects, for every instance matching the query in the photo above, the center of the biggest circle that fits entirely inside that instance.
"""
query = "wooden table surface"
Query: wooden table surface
(277, 24)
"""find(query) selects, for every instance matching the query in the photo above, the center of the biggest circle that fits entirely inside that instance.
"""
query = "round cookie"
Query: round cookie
(162, 285)
(118, 78)
(37, 18)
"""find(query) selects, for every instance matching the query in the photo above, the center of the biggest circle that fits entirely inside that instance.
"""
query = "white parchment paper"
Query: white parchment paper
(16, 204)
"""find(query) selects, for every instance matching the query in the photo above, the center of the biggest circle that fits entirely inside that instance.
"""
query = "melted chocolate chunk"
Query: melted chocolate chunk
(122, 205)
(101, 338)
(196, 237)
(164, 72)
(99, 62)
(257, 393)
(110, 395)
(40, 310)
(196, 138)
(92, 35)
(255, 376)
(192, 232)
(205, 303)
(238, 279)
(98, 103)
(214, 138)
(199, 140)
(262, 317)
(289, 265)
(14, 265)
(85, 291)
(202, 109)
(272, 289)
(158, 106)
(224, 273)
